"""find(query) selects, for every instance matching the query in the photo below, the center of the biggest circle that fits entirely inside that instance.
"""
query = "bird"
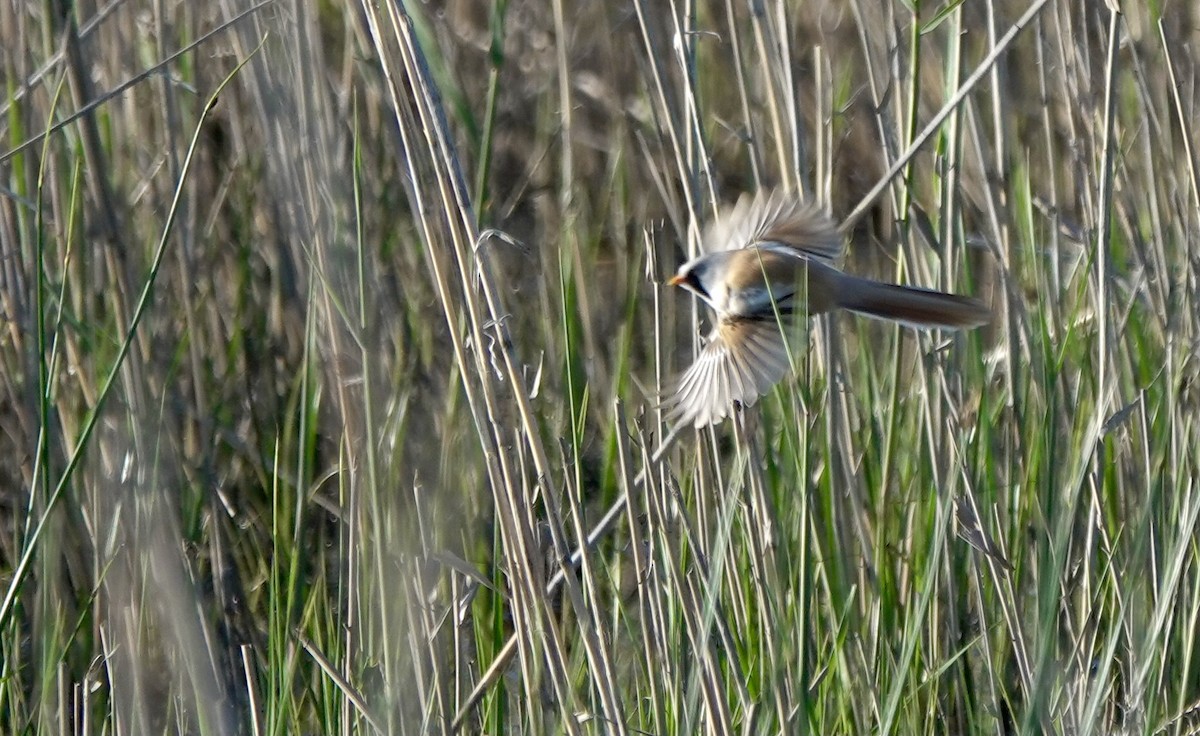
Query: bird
(766, 263)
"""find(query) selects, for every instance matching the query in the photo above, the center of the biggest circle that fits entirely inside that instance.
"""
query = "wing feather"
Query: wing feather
(775, 219)
(741, 362)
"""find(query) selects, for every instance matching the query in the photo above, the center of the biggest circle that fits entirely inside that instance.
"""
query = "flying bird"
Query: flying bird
(767, 261)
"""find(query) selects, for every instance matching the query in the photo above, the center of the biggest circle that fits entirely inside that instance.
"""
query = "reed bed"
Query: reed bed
(335, 343)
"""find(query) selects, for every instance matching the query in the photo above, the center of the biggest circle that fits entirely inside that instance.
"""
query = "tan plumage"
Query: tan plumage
(768, 260)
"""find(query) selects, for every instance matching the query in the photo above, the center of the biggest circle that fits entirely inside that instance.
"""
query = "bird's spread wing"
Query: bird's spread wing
(742, 361)
(776, 220)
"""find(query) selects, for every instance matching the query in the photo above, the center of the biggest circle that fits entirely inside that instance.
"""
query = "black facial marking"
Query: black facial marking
(691, 281)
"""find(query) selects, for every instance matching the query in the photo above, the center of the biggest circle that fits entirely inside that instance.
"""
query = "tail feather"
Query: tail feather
(911, 305)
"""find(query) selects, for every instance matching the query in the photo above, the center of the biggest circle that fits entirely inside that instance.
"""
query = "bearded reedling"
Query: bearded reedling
(768, 259)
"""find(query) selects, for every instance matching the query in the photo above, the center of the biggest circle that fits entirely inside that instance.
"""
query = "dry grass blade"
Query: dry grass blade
(331, 671)
(91, 106)
(89, 425)
(935, 123)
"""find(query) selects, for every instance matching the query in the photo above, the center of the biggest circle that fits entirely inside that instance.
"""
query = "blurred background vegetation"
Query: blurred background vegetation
(332, 329)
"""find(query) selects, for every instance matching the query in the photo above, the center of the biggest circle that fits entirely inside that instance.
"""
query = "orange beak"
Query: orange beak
(676, 280)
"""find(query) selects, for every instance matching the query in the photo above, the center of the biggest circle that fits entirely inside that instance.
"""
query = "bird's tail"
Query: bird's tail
(911, 305)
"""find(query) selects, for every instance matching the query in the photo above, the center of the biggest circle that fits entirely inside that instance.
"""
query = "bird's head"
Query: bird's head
(701, 276)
